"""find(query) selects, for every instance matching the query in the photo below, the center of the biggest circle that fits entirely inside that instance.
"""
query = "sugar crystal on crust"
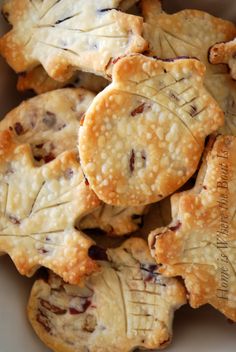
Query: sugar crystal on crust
(144, 134)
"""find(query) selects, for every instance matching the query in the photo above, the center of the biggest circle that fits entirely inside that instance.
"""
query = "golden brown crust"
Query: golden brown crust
(133, 127)
(69, 318)
(39, 206)
(192, 33)
(224, 53)
(49, 122)
(39, 81)
(199, 244)
(6, 145)
(187, 32)
(93, 36)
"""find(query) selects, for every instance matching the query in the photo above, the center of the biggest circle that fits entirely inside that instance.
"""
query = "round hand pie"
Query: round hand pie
(143, 136)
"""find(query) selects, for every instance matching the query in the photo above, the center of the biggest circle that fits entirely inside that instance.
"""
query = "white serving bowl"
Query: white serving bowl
(201, 330)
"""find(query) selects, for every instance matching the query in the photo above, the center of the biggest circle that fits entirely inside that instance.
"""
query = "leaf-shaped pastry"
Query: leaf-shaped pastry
(199, 244)
(38, 210)
(142, 137)
(50, 124)
(192, 33)
(224, 53)
(39, 81)
(67, 35)
(125, 306)
(185, 33)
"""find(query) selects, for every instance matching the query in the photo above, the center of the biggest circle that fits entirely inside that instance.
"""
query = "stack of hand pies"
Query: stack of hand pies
(132, 110)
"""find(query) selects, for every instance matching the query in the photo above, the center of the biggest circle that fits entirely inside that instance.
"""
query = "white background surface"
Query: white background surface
(202, 330)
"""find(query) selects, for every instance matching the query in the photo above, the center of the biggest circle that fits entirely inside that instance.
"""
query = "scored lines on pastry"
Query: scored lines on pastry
(185, 33)
(39, 207)
(69, 34)
(50, 124)
(128, 289)
(199, 244)
(192, 33)
(143, 136)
